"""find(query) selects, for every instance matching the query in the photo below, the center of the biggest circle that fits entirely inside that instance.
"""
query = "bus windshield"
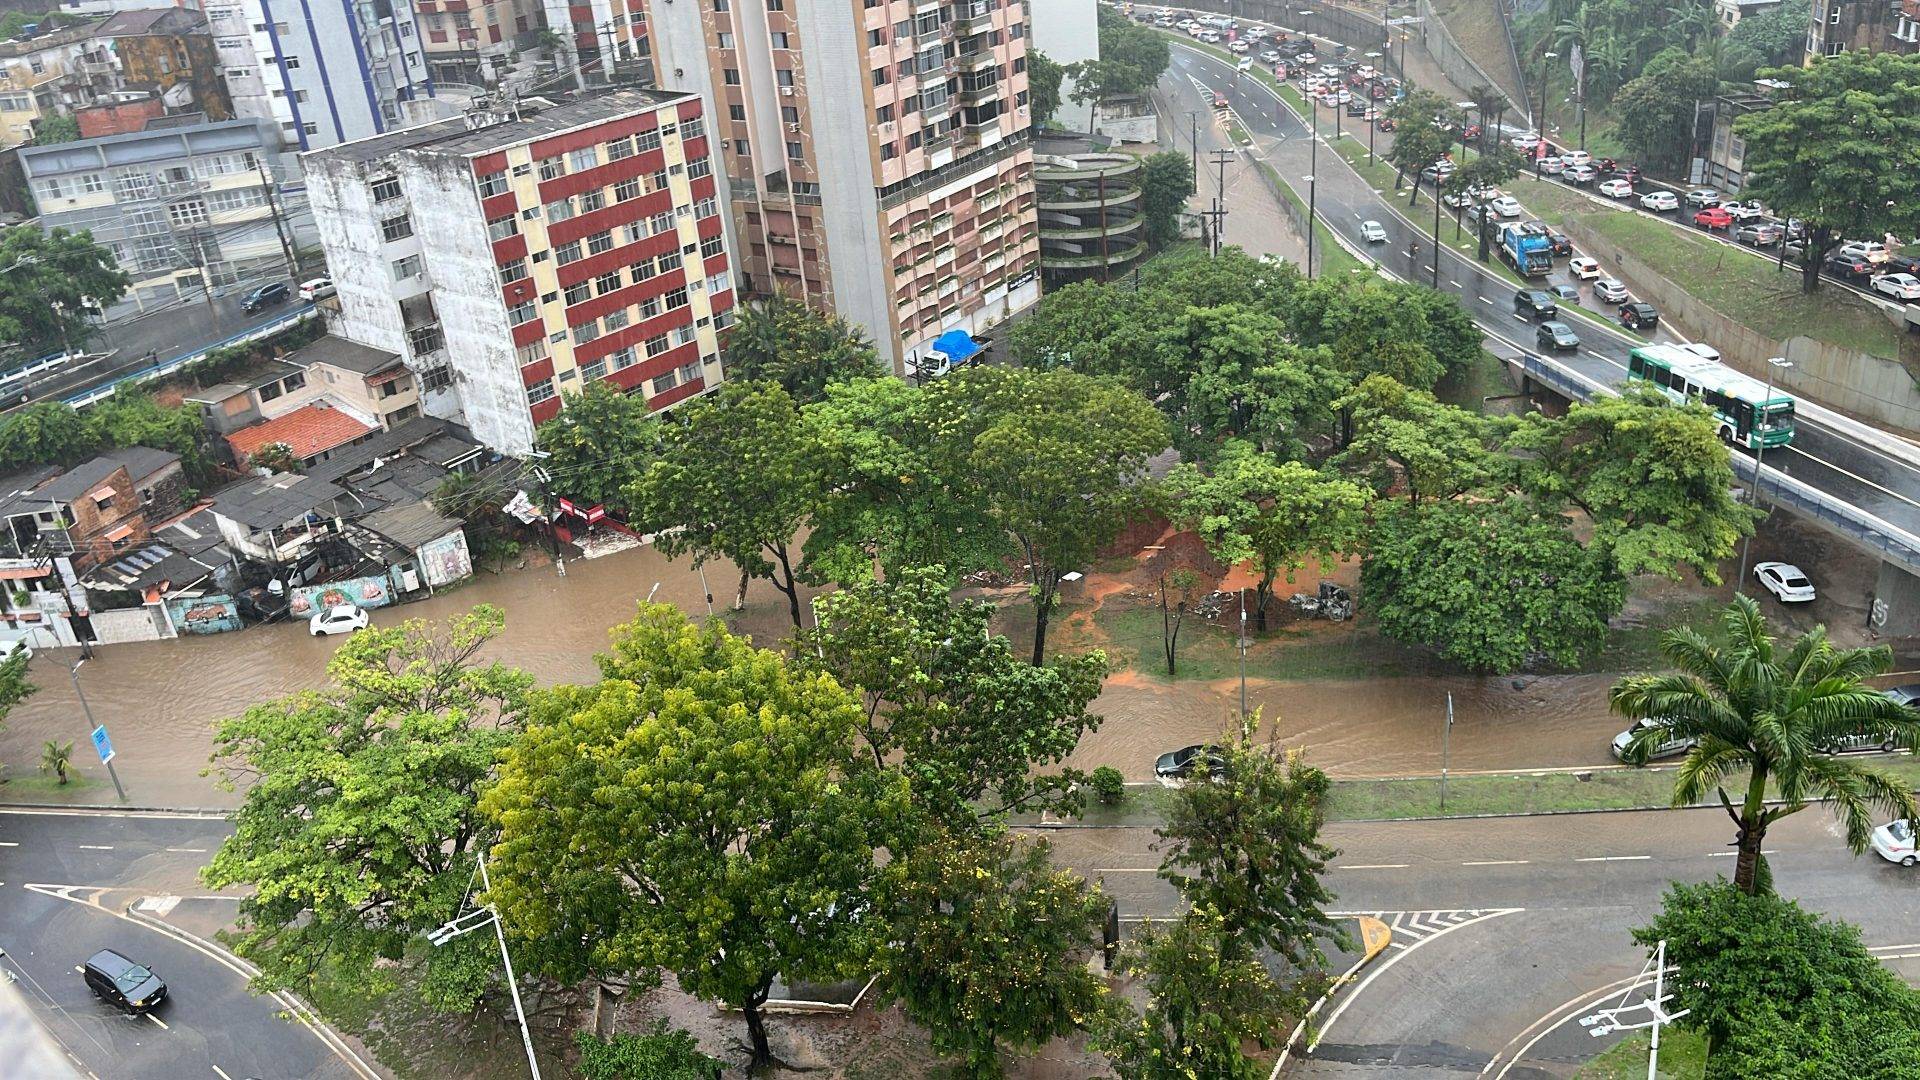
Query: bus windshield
(1778, 417)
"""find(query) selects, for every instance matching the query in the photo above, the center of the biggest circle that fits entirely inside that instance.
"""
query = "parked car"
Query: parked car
(1639, 315)
(1847, 744)
(1713, 218)
(1554, 336)
(1526, 141)
(1616, 188)
(265, 296)
(1551, 165)
(1751, 210)
(1584, 268)
(1372, 232)
(338, 619)
(1507, 206)
(1577, 157)
(1566, 294)
(1894, 842)
(1660, 200)
(1908, 695)
(1848, 267)
(1784, 581)
(1535, 304)
(1610, 290)
(1580, 174)
(1181, 764)
(1701, 198)
(1764, 234)
(316, 289)
(1670, 746)
(1898, 286)
(1872, 251)
(121, 983)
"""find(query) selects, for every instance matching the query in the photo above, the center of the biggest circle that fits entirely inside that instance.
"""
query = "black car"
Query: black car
(1554, 336)
(1562, 243)
(122, 983)
(1535, 304)
(1849, 268)
(1637, 315)
(1901, 264)
(1358, 107)
(265, 297)
(1184, 762)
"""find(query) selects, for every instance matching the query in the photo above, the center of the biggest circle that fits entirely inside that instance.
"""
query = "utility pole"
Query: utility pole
(1774, 364)
(1446, 736)
(552, 509)
(488, 915)
(1436, 226)
(1220, 159)
(105, 757)
(1194, 118)
(279, 222)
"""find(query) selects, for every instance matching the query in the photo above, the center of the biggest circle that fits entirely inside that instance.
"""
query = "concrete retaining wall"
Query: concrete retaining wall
(1460, 67)
(1876, 389)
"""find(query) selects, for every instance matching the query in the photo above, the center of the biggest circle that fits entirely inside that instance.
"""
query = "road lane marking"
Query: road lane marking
(221, 1073)
(1856, 476)
(1483, 300)
(8, 843)
(1723, 854)
(1373, 866)
(188, 850)
(157, 1020)
(96, 847)
(1354, 994)
(1497, 862)
(1602, 357)
(1455, 284)
(1614, 858)
(1103, 870)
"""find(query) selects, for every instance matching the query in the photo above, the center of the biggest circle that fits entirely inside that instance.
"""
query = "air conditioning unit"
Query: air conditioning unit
(795, 128)
(786, 91)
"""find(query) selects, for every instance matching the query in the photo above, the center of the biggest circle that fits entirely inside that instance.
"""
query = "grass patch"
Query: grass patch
(1683, 1056)
(1131, 636)
(1469, 387)
(32, 787)
(1743, 285)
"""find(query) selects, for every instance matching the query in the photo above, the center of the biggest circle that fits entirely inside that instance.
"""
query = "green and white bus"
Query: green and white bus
(1749, 414)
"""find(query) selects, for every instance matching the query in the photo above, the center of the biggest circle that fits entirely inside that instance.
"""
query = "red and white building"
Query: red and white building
(512, 262)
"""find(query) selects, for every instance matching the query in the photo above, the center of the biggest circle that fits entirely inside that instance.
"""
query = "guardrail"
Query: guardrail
(84, 398)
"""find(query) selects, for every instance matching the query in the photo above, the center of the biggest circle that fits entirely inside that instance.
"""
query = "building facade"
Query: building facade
(47, 75)
(324, 73)
(1838, 26)
(1090, 221)
(515, 261)
(468, 41)
(185, 209)
(878, 155)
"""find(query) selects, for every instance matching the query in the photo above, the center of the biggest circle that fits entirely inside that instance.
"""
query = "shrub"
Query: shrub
(660, 1054)
(1108, 785)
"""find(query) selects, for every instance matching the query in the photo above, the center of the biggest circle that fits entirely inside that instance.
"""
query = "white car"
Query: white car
(1667, 747)
(1611, 290)
(1306, 58)
(1660, 200)
(1784, 581)
(316, 289)
(1580, 174)
(1238, 46)
(1577, 157)
(338, 619)
(1617, 189)
(1552, 165)
(1584, 268)
(1871, 250)
(1898, 286)
(1506, 206)
(1701, 198)
(1894, 842)
(1526, 141)
(1372, 233)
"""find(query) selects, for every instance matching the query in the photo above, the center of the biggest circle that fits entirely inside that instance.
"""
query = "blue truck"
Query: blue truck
(1530, 254)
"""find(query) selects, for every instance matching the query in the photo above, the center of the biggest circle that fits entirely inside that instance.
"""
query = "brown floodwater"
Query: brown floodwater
(161, 700)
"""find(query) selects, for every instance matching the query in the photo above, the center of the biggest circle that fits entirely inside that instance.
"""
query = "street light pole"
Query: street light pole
(1774, 363)
(1540, 124)
(74, 674)
(468, 923)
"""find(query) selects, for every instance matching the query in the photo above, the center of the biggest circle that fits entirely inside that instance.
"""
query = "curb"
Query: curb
(95, 808)
(1375, 936)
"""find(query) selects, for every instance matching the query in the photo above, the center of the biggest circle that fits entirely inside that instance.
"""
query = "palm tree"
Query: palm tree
(1752, 708)
(54, 758)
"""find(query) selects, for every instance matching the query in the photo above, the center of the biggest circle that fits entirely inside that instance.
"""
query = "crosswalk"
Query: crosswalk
(1410, 928)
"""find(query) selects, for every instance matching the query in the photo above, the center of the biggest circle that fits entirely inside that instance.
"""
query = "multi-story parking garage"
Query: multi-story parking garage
(1090, 216)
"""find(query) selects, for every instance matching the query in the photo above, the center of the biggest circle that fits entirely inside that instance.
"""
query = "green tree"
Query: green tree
(735, 479)
(1492, 166)
(55, 129)
(1209, 996)
(45, 433)
(1781, 992)
(974, 728)
(1275, 515)
(1409, 332)
(1088, 326)
(274, 457)
(1491, 585)
(1243, 379)
(1246, 845)
(1166, 180)
(14, 687)
(1840, 150)
(601, 443)
(55, 756)
(1043, 86)
(1776, 36)
(1418, 138)
(1132, 59)
(357, 832)
(702, 809)
(660, 1054)
(1058, 457)
(133, 417)
(50, 285)
(990, 951)
(1654, 112)
(1653, 479)
(782, 340)
(1771, 716)
(1406, 437)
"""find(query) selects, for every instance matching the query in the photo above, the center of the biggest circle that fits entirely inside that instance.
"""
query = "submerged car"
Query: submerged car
(1668, 746)
(338, 619)
(1182, 764)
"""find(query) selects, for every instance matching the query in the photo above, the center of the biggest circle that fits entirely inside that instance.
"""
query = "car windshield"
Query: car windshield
(130, 978)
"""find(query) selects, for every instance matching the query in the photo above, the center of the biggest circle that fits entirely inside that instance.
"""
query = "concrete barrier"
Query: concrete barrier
(1462, 68)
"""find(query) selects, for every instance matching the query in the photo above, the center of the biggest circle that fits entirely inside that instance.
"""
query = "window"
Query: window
(642, 271)
(683, 335)
(620, 148)
(650, 307)
(607, 282)
(880, 76)
(552, 168)
(583, 159)
(567, 253)
(783, 76)
(884, 115)
(703, 167)
(600, 243)
(407, 268)
(662, 384)
(594, 369)
(706, 207)
(676, 299)
(502, 227)
(657, 345)
(660, 223)
(737, 112)
(615, 321)
(627, 189)
(648, 140)
(397, 228)
(693, 129)
(490, 185)
(719, 282)
(591, 201)
(623, 359)
(586, 331)
(190, 212)
(711, 246)
(559, 210)
(540, 391)
(658, 181)
(731, 76)
(875, 39)
(387, 188)
(669, 262)
(513, 271)
(723, 40)
(291, 62)
(741, 148)
(532, 351)
(723, 320)
(579, 292)
(635, 232)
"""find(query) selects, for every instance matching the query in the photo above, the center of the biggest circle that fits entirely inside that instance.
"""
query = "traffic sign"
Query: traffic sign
(1405, 20)
(103, 744)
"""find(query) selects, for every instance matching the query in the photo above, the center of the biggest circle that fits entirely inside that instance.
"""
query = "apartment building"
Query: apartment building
(468, 41)
(877, 154)
(513, 259)
(184, 206)
(1838, 26)
(324, 73)
(47, 75)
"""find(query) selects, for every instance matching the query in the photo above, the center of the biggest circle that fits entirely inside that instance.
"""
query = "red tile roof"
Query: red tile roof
(309, 430)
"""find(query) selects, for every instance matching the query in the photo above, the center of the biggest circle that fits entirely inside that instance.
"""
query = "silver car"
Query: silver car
(1671, 746)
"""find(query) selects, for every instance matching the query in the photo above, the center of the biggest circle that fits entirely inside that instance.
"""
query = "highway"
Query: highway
(1880, 475)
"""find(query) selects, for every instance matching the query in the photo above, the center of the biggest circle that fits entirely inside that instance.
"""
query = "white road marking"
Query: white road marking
(1355, 993)
(157, 1020)
(1856, 476)
(1373, 866)
(1724, 854)
(1483, 300)
(1455, 284)
(8, 843)
(1497, 862)
(1127, 870)
(1398, 945)
(96, 847)
(221, 1073)
(188, 850)
(1600, 356)
(1614, 858)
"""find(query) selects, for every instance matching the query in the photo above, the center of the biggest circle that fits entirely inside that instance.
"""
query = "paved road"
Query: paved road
(66, 884)
(1503, 922)
(1881, 483)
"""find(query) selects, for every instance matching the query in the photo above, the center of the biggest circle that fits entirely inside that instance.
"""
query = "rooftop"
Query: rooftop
(161, 20)
(268, 502)
(410, 525)
(142, 461)
(539, 119)
(270, 372)
(307, 430)
(346, 355)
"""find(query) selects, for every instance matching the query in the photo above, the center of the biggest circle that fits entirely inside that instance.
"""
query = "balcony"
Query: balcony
(972, 17)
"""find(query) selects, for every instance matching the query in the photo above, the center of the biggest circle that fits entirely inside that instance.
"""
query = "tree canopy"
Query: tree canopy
(601, 442)
(50, 284)
(1166, 180)
(1132, 58)
(1655, 109)
(1043, 84)
(782, 339)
